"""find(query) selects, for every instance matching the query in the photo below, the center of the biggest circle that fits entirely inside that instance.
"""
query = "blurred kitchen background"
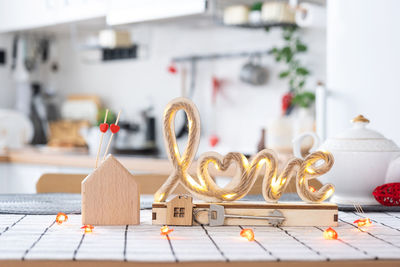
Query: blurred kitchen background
(260, 72)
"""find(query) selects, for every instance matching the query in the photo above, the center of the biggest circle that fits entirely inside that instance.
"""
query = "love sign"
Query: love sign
(264, 163)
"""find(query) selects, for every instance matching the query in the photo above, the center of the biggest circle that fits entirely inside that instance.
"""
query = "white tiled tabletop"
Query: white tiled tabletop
(28, 237)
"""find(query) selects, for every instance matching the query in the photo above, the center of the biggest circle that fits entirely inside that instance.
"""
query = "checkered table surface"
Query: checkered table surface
(28, 237)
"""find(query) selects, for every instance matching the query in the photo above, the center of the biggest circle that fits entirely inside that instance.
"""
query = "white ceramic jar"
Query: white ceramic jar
(364, 159)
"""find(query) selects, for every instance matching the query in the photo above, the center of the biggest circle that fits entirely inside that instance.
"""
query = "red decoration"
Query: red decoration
(216, 88)
(214, 140)
(330, 234)
(248, 234)
(61, 218)
(114, 128)
(88, 228)
(172, 68)
(286, 101)
(165, 230)
(388, 194)
(104, 127)
(363, 222)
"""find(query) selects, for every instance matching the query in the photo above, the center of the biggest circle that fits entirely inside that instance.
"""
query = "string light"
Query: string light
(363, 222)
(165, 230)
(229, 196)
(312, 189)
(88, 228)
(248, 234)
(61, 218)
(330, 234)
(203, 185)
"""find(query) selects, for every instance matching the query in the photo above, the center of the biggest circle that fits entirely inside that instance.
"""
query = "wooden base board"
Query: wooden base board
(296, 214)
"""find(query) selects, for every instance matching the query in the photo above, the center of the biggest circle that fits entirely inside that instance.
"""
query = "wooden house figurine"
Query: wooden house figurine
(110, 195)
(180, 210)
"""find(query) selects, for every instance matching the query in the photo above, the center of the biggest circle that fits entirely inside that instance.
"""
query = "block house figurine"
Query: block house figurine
(180, 210)
(110, 195)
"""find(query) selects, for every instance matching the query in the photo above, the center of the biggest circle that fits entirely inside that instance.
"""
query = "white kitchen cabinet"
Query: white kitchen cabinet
(131, 11)
(18, 15)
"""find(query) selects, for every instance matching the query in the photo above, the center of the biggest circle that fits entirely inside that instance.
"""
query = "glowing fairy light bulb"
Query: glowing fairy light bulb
(275, 184)
(88, 228)
(229, 196)
(330, 234)
(329, 192)
(165, 230)
(160, 197)
(261, 162)
(248, 234)
(61, 218)
(312, 189)
(363, 222)
(310, 170)
(193, 183)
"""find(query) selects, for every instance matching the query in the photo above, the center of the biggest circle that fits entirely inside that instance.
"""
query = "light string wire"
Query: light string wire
(204, 186)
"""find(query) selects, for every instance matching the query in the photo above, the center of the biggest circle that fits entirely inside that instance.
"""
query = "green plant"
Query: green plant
(295, 72)
(102, 113)
(256, 6)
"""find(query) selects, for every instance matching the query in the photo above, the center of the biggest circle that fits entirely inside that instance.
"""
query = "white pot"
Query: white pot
(92, 138)
(364, 159)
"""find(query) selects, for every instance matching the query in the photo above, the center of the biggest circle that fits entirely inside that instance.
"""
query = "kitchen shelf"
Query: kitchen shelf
(215, 56)
(264, 25)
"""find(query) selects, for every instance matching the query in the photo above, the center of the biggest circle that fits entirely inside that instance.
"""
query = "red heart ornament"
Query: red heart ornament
(104, 127)
(114, 128)
(388, 194)
(214, 140)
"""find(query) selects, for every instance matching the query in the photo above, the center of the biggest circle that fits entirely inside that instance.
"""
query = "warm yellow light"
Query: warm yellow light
(276, 184)
(160, 197)
(61, 218)
(329, 192)
(88, 228)
(330, 234)
(193, 183)
(261, 162)
(165, 230)
(245, 162)
(248, 234)
(310, 170)
(363, 222)
(229, 196)
(176, 150)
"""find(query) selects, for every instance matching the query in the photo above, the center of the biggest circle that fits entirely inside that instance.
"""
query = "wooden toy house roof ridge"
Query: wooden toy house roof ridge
(112, 163)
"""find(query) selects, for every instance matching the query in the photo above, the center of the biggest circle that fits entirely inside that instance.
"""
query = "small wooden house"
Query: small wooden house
(110, 195)
(180, 210)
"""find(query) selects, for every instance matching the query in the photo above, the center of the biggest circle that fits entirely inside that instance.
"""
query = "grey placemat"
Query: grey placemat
(49, 204)
(294, 197)
(40, 204)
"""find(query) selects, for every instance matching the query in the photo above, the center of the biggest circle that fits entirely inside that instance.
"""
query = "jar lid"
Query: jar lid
(360, 138)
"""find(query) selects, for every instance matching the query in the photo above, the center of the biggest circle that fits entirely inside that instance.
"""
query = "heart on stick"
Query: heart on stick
(104, 127)
(114, 128)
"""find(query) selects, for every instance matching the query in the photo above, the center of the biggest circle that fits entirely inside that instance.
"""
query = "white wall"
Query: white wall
(239, 117)
(363, 57)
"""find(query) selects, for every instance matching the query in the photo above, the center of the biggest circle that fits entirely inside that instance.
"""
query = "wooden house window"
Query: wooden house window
(179, 212)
